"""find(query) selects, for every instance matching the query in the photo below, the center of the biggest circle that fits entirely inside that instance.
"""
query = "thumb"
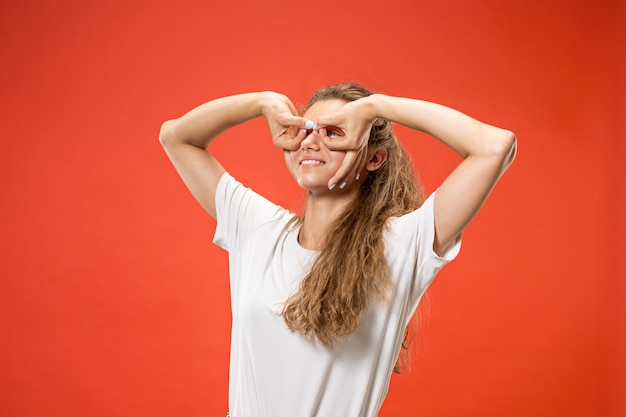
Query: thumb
(290, 120)
(329, 120)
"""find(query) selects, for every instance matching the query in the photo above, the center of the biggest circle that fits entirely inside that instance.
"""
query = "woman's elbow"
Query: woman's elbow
(165, 134)
(502, 149)
(508, 147)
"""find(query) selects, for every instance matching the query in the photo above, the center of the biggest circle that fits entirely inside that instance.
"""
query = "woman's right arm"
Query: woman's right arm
(185, 139)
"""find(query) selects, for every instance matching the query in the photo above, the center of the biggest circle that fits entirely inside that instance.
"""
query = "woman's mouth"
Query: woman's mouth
(310, 162)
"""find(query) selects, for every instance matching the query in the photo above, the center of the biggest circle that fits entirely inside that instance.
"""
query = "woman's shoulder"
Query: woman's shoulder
(425, 212)
(234, 196)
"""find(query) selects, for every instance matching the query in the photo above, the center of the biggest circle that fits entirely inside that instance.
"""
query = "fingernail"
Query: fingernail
(343, 184)
(358, 175)
(331, 187)
(310, 124)
(304, 131)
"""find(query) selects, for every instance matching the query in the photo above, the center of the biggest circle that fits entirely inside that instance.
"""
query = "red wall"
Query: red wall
(114, 302)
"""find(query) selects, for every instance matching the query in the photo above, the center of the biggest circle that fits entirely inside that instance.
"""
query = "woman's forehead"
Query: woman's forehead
(324, 107)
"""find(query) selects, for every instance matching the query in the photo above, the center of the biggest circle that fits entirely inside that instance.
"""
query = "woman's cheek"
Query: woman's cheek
(290, 161)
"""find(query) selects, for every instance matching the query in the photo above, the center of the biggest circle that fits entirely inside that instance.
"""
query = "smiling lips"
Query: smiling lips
(310, 162)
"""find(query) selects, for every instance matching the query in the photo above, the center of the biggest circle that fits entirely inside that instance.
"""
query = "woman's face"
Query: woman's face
(313, 164)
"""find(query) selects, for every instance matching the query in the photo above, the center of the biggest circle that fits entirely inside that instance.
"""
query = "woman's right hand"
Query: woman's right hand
(355, 119)
(286, 127)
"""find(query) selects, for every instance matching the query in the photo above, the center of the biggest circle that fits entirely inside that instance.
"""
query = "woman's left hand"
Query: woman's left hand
(355, 121)
(285, 125)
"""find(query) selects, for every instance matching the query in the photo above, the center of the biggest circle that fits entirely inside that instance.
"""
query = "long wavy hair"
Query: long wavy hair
(351, 269)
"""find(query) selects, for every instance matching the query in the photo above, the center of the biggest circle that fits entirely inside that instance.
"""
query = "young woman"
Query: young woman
(320, 302)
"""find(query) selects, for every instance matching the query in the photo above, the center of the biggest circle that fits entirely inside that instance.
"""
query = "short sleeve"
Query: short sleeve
(412, 237)
(430, 264)
(239, 210)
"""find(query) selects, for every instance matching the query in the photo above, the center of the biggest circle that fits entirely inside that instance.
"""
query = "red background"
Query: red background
(114, 302)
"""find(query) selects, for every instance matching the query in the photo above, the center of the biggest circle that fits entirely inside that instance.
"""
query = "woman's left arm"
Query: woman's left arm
(487, 152)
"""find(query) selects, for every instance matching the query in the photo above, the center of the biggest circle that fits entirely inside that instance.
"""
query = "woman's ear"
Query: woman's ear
(376, 159)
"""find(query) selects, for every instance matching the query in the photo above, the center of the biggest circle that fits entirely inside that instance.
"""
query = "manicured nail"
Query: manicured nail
(343, 184)
(358, 175)
(331, 187)
(310, 124)
(304, 131)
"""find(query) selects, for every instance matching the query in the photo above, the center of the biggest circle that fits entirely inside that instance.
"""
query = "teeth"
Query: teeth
(311, 162)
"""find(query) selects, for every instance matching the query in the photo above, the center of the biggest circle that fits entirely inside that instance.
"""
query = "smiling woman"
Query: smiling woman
(320, 303)
(313, 164)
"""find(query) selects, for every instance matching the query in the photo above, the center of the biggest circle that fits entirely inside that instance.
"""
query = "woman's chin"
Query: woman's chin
(312, 186)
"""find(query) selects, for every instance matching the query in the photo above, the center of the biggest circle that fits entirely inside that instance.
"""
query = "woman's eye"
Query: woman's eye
(334, 132)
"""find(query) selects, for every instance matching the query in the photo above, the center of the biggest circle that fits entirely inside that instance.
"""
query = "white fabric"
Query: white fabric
(274, 372)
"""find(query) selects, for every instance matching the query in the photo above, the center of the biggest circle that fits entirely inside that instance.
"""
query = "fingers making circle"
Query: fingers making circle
(290, 138)
(335, 136)
(284, 123)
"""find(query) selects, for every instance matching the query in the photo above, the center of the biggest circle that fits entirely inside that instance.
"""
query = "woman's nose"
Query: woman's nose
(312, 140)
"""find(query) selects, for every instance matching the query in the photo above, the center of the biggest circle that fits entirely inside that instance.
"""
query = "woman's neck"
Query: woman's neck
(319, 213)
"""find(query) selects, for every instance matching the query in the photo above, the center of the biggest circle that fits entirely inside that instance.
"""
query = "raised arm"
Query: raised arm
(487, 151)
(185, 139)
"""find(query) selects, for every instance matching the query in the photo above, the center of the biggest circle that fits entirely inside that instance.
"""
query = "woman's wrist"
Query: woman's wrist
(266, 101)
(374, 106)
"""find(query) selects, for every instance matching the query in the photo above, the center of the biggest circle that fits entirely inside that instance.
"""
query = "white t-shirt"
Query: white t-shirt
(274, 371)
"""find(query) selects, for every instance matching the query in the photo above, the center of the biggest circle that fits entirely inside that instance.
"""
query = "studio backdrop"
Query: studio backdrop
(114, 301)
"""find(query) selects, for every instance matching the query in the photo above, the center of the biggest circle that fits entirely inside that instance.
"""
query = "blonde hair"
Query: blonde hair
(351, 268)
